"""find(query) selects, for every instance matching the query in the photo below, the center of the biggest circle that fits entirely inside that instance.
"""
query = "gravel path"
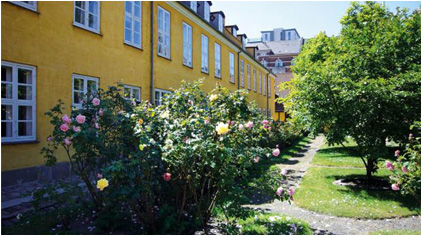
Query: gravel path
(327, 224)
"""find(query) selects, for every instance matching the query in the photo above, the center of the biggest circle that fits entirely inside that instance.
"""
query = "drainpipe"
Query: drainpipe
(268, 84)
(151, 89)
(238, 70)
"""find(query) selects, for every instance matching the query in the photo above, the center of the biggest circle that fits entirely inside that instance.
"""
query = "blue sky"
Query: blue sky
(308, 18)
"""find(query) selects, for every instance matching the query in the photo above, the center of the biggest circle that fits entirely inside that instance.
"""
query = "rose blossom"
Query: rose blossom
(404, 169)
(279, 191)
(291, 191)
(276, 152)
(64, 127)
(256, 159)
(190, 102)
(66, 119)
(397, 153)
(265, 122)
(49, 138)
(77, 128)
(101, 112)
(410, 136)
(207, 121)
(241, 126)
(249, 124)
(283, 172)
(95, 101)
(395, 187)
(100, 176)
(80, 119)
(389, 165)
(67, 141)
(167, 176)
(97, 126)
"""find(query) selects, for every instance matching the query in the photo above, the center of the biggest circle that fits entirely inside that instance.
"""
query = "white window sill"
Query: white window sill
(134, 45)
(95, 31)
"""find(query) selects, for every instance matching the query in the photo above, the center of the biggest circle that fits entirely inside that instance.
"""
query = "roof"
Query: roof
(242, 35)
(210, 3)
(279, 47)
(233, 26)
(291, 30)
(219, 12)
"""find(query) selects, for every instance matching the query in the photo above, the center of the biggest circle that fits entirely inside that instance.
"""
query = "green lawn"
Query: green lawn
(318, 193)
(337, 156)
(396, 232)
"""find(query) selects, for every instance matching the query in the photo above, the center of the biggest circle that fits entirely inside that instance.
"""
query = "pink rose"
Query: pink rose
(207, 121)
(276, 146)
(265, 122)
(80, 119)
(95, 101)
(64, 127)
(66, 119)
(410, 136)
(284, 172)
(389, 165)
(101, 112)
(397, 153)
(77, 128)
(276, 152)
(167, 176)
(49, 139)
(249, 124)
(97, 126)
(67, 141)
(404, 169)
(190, 102)
(395, 187)
(100, 176)
(291, 191)
(241, 126)
(279, 191)
(266, 127)
(256, 159)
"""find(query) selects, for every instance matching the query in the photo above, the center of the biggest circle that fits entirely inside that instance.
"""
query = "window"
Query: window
(231, 60)
(133, 11)
(207, 11)
(204, 53)
(278, 63)
(31, 5)
(242, 73)
(269, 112)
(269, 87)
(220, 23)
(265, 37)
(159, 95)
(163, 33)
(264, 111)
(234, 32)
(254, 80)
(249, 76)
(193, 5)
(187, 44)
(289, 36)
(264, 62)
(260, 83)
(217, 55)
(265, 88)
(81, 85)
(87, 15)
(18, 102)
(132, 92)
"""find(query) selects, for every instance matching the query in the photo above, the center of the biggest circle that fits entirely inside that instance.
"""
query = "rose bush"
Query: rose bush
(169, 165)
(406, 171)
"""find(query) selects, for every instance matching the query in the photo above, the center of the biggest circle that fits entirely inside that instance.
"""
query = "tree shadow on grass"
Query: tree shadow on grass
(380, 194)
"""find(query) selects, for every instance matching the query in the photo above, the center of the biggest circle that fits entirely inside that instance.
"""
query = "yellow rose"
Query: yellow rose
(213, 97)
(102, 183)
(141, 147)
(222, 128)
(140, 121)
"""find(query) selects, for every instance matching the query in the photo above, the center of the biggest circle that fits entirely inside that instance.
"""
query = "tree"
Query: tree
(363, 83)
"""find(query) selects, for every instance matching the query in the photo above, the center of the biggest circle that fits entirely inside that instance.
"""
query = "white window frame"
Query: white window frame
(217, 60)
(278, 63)
(248, 67)
(187, 44)
(132, 91)
(242, 73)
(231, 62)
(260, 83)
(234, 32)
(161, 93)
(254, 80)
(85, 80)
(204, 54)
(194, 6)
(269, 87)
(220, 23)
(133, 19)
(265, 88)
(86, 15)
(31, 5)
(15, 102)
(165, 34)
(207, 11)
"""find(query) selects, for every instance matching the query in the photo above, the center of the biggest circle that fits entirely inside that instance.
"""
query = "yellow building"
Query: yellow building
(56, 50)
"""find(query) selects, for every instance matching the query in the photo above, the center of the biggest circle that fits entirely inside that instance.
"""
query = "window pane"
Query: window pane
(126, 92)
(128, 35)
(80, 4)
(77, 97)
(128, 22)
(24, 128)
(6, 73)
(6, 112)
(138, 9)
(137, 26)
(92, 86)
(93, 7)
(136, 93)
(92, 21)
(24, 92)
(24, 76)
(78, 84)
(25, 113)
(129, 6)
(6, 90)
(137, 38)
(6, 129)
(79, 16)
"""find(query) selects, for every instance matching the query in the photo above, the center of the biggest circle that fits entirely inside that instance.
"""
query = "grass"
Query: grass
(396, 232)
(318, 193)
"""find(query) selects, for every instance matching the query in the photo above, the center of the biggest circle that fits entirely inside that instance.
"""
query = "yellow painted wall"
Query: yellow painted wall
(48, 40)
